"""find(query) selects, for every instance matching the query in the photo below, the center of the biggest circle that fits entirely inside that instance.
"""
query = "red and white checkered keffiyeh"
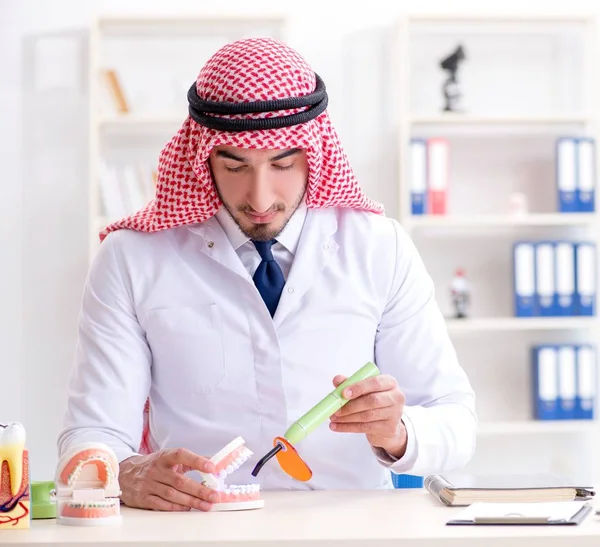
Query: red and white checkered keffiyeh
(254, 69)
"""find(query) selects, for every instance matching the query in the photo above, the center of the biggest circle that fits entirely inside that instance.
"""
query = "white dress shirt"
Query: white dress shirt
(175, 316)
(283, 250)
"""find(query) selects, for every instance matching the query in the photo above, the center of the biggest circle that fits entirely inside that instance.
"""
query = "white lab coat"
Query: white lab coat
(177, 316)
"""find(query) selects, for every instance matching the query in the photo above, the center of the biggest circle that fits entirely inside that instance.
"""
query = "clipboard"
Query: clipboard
(537, 513)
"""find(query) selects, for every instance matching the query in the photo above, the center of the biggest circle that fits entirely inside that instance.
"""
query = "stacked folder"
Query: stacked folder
(575, 174)
(429, 166)
(564, 381)
(554, 278)
(457, 488)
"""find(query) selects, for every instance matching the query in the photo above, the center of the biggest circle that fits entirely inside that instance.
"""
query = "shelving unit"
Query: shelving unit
(525, 82)
(155, 59)
(504, 324)
(531, 427)
(501, 220)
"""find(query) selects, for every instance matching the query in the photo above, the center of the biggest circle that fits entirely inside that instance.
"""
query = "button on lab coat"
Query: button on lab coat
(175, 316)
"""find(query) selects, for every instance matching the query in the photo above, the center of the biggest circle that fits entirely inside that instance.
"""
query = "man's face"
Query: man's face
(261, 189)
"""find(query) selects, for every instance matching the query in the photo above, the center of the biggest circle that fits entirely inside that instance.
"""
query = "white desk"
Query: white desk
(310, 519)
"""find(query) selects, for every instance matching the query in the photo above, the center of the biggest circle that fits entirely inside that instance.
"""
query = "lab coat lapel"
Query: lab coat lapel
(217, 246)
(316, 248)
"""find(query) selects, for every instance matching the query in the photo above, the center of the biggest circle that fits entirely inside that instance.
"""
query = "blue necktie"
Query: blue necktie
(268, 277)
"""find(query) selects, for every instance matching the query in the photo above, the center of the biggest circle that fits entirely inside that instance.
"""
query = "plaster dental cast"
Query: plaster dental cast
(258, 279)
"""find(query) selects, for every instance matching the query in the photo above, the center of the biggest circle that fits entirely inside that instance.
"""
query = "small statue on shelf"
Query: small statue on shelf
(461, 294)
(452, 92)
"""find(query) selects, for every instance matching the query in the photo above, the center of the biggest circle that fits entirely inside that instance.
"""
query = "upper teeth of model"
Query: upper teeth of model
(12, 446)
(236, 464)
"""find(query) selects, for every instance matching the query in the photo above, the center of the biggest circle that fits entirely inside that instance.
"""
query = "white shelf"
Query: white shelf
(467, 119)
(497, 18)
(129, 122)
(521, 324)
(494, 221)
(536, 426)
(176, 21)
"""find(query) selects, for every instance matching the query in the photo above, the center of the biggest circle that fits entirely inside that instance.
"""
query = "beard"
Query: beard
(267, 231)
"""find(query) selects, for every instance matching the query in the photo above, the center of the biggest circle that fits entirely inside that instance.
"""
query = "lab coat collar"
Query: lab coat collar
(217, 246)
(289, 237)
(316, 246)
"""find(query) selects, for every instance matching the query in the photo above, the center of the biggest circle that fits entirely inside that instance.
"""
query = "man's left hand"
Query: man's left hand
(375, 407)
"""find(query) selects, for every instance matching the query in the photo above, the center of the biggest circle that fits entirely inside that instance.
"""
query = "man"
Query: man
(257, 279)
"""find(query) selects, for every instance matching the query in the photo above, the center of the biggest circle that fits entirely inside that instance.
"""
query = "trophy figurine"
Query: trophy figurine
(451, 87)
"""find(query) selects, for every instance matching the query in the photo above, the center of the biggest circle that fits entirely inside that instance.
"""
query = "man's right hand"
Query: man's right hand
(158, 482)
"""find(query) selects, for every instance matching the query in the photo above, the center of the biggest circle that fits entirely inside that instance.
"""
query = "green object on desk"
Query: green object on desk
(43, 505)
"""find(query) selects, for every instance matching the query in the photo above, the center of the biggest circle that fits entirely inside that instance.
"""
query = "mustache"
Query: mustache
(273, 209)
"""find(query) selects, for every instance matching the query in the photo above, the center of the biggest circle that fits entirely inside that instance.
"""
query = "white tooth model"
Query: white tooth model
(232, 497)
(14, 478)
(87, 486)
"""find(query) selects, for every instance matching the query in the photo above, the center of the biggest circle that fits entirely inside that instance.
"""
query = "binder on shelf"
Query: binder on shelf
(524, 278)
(564, 255)
(437, 175)
(545, 382)
(566, 174)
(545, 283)
(585, 400)
(585, 275)
(567, 382)
(586, 175)
(418, 176)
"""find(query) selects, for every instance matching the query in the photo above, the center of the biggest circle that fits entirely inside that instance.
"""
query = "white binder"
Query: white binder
(418, 176)
(545, 279)
(565, 278)
(566, 174)
(585, 267)
(524, 278)
(586, 175)
(545, 382)
(567, 382)
(586, 382)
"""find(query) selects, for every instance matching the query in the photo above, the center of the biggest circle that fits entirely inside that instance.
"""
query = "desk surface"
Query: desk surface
(311, 519)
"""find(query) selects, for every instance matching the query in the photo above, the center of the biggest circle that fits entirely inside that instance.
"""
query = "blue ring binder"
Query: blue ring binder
(407, 481)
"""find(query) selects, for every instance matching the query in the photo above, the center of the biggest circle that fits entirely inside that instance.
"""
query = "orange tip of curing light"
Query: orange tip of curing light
(290, 461)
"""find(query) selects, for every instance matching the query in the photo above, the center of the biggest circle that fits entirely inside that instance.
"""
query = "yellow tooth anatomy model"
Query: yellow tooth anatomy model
(87, 486)
(232, 497)
(14, 478)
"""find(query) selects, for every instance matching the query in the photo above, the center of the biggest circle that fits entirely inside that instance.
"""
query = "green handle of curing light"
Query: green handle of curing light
(327, 406)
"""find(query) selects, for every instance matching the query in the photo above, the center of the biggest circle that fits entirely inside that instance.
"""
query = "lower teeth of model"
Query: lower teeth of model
(93, 504)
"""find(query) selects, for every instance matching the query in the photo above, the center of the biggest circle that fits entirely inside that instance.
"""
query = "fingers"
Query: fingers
(185, 485)
(338, 380)
(157, 482)
(380, 428)
(372, 401)
(186, 458)
(171, 495)
(367, 415)
(156, 503)
(381, 382)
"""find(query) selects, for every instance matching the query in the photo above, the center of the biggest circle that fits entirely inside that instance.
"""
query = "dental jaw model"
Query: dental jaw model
(14, 478)
(87, 486)
(232, 497)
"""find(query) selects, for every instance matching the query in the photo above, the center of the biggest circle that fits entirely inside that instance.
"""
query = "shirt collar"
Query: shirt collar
(289, 237)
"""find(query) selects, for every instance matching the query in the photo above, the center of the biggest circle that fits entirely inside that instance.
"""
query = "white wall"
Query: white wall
(43, 216)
